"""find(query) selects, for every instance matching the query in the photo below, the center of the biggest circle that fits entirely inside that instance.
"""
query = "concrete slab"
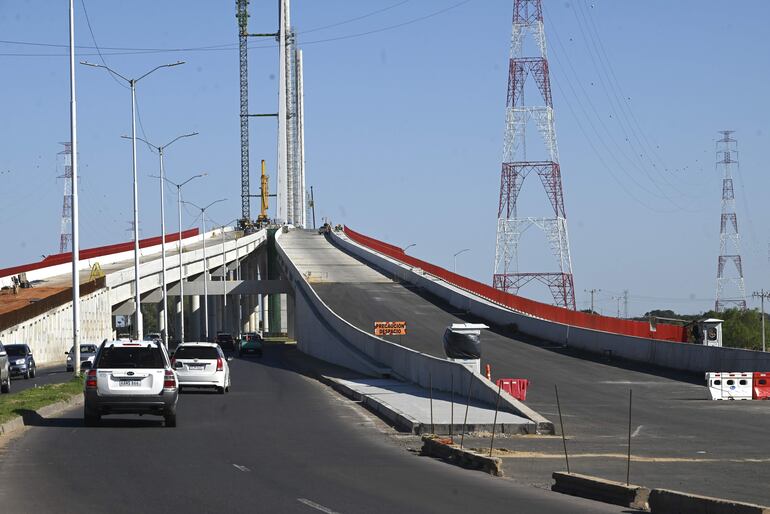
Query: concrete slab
(320, 262)
(408, 407)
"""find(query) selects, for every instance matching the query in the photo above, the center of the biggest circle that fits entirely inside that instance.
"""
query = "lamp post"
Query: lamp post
(74, 217)
(181, 275)
(205, 267)
(164, 331)
(132, 85)
(408, 247)
(454, 257)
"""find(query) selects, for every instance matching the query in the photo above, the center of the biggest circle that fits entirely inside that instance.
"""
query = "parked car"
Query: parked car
(21, 360)
(250, 345)
(133, 377)
(202, 365)
(225, 340)
(5, 371)
(87, 353)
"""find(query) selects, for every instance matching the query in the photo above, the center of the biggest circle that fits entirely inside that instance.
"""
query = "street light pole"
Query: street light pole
(454, 265)
(74, 219)
(132, 85)
(162, 177)
(408, 247)
(205, 268)
(179, 243)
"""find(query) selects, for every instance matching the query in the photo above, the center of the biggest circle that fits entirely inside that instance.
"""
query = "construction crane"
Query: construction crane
(264, 194)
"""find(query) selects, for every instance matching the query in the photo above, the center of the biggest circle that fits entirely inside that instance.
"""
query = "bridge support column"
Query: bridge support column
(195, 318)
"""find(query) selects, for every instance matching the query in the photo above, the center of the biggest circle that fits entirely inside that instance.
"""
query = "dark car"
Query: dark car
(250, 345)
(5, 371)
(225, 341)
(21, 360)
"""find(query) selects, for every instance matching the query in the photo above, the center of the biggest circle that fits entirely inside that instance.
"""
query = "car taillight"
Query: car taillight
(169, 380)
(91, 379)
(219, 364)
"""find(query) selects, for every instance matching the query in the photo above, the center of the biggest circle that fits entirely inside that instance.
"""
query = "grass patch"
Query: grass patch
(12, 405)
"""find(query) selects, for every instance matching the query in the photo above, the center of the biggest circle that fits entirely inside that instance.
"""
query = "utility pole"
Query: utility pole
(625, 303)
(762, 294)
(618, 299)
(593, 292)
(74, 227)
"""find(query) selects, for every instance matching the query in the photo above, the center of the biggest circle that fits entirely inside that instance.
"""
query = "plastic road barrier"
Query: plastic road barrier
(730, 385)
(516, 387)
(761, 389)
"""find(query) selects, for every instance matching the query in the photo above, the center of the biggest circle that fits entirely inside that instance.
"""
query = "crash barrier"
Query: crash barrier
(761, 386)
(516, 387)
(322, 333)
(730, 385)
(91, 253)
(533, 308)
(695, 358)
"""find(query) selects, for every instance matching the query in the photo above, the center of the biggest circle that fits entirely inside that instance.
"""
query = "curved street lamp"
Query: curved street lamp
(454, 266)
(132, 85)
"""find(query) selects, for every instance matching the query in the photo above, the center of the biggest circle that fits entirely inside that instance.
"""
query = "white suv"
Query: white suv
(202, 365)
(133, 377)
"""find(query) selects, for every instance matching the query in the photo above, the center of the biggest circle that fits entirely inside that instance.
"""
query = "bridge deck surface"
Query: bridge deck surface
(707, 446)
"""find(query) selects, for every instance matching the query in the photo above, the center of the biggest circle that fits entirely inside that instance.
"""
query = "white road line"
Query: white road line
(636, 432)
(316, 506)
(241, 468)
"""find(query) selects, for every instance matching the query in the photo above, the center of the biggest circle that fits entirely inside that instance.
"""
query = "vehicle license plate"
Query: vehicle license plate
(130, 383)
(196, 366)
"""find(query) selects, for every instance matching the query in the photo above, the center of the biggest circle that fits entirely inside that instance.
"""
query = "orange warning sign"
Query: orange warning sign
(390, 328)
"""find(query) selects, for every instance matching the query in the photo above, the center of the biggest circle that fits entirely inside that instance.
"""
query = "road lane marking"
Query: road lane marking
(241, 468)
(636, 432)
(316, 506)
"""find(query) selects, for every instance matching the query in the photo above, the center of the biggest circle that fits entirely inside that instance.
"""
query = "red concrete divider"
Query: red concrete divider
(91, 253)
(664, 332)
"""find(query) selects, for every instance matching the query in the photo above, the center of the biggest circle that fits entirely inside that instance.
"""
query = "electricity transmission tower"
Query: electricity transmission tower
(528, 21)
(731, 291)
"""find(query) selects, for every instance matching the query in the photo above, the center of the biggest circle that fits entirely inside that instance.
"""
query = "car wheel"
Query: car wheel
(33, 372)
(70, 369)
(221, 390)
(170, 419)
(91, 418)
(6, 388)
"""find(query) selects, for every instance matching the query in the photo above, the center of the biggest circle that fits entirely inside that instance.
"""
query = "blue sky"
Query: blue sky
(404, 127)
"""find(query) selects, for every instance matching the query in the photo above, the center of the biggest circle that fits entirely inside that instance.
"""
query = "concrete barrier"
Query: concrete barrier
(664, 501)
(607, 491)
(680, 356)
(433, 447)
(320, 332)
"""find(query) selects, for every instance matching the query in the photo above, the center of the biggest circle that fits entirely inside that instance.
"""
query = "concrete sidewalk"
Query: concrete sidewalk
(408, 407)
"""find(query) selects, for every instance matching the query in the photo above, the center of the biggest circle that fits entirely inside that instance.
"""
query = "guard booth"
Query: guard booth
(708, 332)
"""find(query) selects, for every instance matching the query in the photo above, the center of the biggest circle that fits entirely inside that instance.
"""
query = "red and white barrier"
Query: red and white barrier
(516, 387)
(730, 385)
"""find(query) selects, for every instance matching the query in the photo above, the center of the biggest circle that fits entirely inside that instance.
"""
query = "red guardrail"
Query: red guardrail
(541, 310)
(90, 253)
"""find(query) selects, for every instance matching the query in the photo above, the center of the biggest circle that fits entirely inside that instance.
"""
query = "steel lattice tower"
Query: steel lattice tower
(242, 14)
(528, 21)
(731, 290)
(65, 237)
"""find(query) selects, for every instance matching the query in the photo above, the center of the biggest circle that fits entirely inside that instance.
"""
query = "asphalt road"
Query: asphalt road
(279, 442)
(44, 376)
(686, 441)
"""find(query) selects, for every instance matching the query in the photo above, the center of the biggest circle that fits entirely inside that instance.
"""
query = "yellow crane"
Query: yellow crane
(264, 195)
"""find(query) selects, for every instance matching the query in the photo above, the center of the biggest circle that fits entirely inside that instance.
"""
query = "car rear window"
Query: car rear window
(196, 352)
(130, 357)
(15, 350)
(87, 348)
